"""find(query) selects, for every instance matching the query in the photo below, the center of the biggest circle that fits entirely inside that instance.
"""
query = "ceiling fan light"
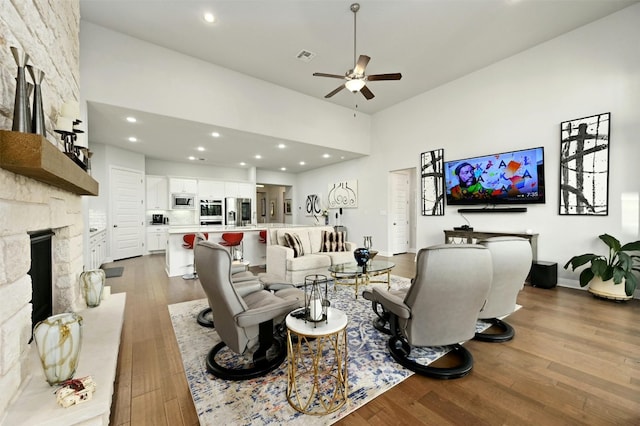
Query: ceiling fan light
(354, 85)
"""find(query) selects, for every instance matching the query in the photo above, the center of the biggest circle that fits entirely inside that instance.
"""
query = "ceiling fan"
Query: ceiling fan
(356, 79)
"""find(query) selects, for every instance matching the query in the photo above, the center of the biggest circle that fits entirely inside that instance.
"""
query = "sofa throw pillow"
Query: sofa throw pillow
(293, 241)
(333, 241)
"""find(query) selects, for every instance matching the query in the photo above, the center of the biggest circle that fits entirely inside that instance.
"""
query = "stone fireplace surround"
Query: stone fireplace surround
(27, 205)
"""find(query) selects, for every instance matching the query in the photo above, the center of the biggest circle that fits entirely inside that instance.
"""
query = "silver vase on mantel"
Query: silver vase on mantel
(37, 118)
(21, 116)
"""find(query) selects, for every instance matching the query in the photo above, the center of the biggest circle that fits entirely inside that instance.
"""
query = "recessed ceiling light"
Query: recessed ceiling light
(215, 134)
(302, 163)
(133, 139)
(283, 168)
(342, 157)
(242, 163)
(208, 16)
(325, 156)
(131, 119)
(281, 145)
(258, 156)
(191, 157)
(200, 148)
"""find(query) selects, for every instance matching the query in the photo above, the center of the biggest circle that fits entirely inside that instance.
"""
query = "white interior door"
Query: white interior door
(127, 213)
(400, 187)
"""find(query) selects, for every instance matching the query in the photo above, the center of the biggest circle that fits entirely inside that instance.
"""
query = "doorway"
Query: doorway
(402, 211)
(127, 212)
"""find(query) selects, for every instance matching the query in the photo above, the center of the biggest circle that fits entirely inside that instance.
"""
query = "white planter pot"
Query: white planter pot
(58, 340)
(607, 289)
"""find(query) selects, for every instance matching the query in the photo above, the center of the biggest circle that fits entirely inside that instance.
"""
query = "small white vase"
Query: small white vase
(58, 339)
(92, 283)
(607, 289)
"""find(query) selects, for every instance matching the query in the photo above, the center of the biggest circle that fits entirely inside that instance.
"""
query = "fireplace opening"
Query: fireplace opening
(41, 276)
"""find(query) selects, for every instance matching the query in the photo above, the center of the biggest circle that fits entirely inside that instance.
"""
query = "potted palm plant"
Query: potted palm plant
(612, 276)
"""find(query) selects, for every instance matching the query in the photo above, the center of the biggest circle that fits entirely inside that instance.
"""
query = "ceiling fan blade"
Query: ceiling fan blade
(330, 94)
(375, 77)
(363, 60)
(367, 93)
(322, 74)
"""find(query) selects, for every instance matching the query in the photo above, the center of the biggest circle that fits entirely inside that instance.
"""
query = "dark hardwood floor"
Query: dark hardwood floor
(575, 360)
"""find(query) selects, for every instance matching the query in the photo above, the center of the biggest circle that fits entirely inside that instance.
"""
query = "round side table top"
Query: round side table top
(336, 321)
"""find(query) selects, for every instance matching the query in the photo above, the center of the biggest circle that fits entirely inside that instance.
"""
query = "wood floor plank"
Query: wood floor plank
(575, 360)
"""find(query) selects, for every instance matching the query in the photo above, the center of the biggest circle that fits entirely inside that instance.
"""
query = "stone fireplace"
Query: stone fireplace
(49, 33)
(27, 205)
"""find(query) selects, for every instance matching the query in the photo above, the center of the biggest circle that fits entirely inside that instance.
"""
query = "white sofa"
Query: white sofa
(283, 266)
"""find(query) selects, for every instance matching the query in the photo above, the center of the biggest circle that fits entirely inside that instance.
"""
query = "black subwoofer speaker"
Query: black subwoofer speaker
(544, 274)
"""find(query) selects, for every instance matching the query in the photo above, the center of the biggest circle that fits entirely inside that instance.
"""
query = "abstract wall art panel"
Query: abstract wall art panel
(343, 194)
(584, 166)
(432, 178)
(313, 206)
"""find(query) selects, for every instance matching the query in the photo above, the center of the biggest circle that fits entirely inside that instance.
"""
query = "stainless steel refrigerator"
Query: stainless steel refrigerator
(238, 211)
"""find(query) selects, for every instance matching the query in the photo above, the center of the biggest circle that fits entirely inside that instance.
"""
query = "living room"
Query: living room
(516, 103)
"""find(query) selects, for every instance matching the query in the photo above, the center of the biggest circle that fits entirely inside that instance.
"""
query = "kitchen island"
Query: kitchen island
(179, 260)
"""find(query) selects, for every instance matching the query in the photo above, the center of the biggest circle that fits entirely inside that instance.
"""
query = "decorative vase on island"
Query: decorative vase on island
(21, 116)
(58, 339)
(92, 283)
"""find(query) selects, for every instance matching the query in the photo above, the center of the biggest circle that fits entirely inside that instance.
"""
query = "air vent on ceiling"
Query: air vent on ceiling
(305, 55)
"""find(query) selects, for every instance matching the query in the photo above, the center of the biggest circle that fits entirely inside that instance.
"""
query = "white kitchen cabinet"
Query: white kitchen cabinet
(239, 189)
(180, 185)
(157, 238)
(231, 189)
(157, 193)
(97, 249)
(211, 190)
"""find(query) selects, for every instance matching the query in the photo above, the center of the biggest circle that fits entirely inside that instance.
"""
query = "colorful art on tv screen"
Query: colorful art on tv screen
(515, 177)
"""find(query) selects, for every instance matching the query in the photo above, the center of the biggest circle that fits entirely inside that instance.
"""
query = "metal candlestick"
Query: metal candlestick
(37, 120)
(21, 122)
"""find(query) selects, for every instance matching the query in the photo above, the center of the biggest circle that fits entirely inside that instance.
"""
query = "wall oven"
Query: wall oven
(183, 201)
(211, 212)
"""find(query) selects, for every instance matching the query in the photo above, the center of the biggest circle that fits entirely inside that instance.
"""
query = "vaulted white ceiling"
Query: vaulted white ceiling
(430, 42)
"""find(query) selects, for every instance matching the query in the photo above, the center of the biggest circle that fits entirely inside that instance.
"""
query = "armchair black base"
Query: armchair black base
(205, 318)
(270, 354)
(506, 334)
(400, 351)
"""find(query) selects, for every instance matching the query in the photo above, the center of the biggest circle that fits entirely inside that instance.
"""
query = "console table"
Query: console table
(470, 237)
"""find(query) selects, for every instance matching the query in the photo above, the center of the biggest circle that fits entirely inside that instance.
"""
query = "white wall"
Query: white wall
(123, 71)
(516, 103)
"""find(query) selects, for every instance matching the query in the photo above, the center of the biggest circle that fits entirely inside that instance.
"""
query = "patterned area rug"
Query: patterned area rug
(263, 401)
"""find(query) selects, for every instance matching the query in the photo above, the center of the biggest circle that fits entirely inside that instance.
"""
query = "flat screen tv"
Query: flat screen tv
(514, 177)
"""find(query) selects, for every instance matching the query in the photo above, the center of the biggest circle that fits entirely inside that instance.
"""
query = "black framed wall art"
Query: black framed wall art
(432, 179)
(584, 166)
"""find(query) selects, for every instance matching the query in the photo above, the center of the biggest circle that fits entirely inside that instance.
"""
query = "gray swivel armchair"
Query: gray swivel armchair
(511, 259)
(243, 322)
(440, 307)
(244, 281)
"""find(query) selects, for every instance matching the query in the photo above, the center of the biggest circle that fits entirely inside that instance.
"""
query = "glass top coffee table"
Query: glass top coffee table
(352, 274)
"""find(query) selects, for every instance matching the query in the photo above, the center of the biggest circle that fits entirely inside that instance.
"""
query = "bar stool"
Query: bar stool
(233, 240)
(188, 242)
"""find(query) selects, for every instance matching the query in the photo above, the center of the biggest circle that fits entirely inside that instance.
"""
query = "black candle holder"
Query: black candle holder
(316, 301)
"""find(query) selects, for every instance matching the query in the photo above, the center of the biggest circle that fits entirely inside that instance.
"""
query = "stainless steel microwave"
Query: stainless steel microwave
(183, 201)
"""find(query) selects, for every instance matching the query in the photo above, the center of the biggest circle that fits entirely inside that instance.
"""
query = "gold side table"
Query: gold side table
(317, 363)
